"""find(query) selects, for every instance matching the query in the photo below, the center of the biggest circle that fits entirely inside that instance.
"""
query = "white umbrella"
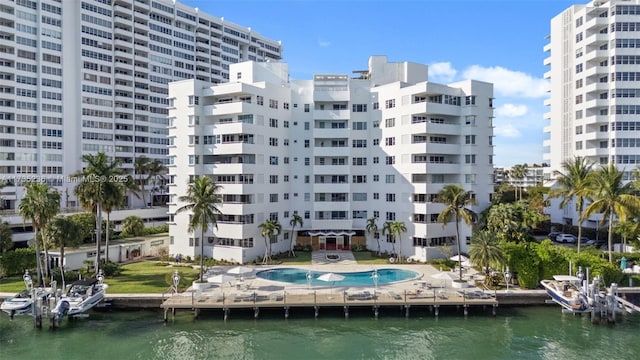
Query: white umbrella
(240, 270)
(220, 279)
(445, 275)
(459, 258)
(331, 277)
(466, 263)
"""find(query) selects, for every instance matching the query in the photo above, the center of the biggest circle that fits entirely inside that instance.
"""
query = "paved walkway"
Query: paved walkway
(323, 257)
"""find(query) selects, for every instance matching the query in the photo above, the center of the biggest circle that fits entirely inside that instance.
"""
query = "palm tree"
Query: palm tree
(269, 229)
(62, 232)
(140, 168)
(612, 198)
(485, 252)
(114, 199)
(6, 236)
(203, 200)
(133, 225)
(456, 199)
(395, 228)
(518, 172)
(39, 205)
(295, 220)
(96, 182)
(372, 228)
(155, 170)
(574, 183)
(627, 230)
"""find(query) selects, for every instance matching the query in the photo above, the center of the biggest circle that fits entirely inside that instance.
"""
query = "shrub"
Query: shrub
(132, 226)
(16, 261)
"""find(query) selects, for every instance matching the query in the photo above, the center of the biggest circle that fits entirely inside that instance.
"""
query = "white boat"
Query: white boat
(81, 296)
(22, 302)
(565, 291)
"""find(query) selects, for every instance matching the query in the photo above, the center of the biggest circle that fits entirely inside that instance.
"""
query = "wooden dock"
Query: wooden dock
(316, 300)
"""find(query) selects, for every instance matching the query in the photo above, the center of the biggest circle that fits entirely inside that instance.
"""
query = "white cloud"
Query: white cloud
(324, 43)
(507, 82)
(511, 110)
(507, 130)
(442, 72)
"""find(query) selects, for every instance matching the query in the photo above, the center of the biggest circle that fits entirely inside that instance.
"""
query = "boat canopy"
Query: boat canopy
(565, 278)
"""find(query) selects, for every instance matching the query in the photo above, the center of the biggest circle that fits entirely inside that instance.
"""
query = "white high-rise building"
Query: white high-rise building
(335, 150)
(594, 103)
(82, 76)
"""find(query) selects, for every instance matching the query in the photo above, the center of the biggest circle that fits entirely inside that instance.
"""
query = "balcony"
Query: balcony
(443, 168)
(330, 169)
(331, 114)
(331, 151)
(329, 96)
(235, 107)
(331, 133)
(331, 187)
(331, 224)
(445, 149)
(332, 206)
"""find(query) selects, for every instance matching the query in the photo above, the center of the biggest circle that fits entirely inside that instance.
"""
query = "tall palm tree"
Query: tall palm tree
(574, 183)
(100, 177)
(456, 200)
(395, 229)
(155, 170)
(203, 200)
(518, 172)
(612, 198)
(372, 228)
(269, 229)
(115, 198)
(141, 168)
(62, 232)
(485, 252)
(39, 205)
(295, 220)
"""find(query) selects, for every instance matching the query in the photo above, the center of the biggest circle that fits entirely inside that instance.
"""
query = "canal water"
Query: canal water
(515, 333)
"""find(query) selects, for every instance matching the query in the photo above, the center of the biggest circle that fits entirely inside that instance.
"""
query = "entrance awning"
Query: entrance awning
(331, 233)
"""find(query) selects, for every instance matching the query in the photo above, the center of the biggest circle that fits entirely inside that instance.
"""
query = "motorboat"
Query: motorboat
(22, 302)
(81, 296)
(565, 291)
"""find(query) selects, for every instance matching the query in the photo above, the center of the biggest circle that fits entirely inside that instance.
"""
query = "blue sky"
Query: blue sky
(498, 41)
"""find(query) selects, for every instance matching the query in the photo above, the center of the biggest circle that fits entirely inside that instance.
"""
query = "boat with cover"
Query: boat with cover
(81, 296)
(565, 291)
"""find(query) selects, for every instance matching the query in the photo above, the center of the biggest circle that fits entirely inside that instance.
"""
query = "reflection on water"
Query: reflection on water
(525, 333)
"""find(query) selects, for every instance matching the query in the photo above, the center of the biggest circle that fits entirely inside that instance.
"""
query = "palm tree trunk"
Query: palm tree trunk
(458, 241)
(106, 245)
(62, 266)
(378, 241)
(610, 237)
(291, 252)
(266, 252)
(47, 267)
(202, 255)
(399, 248)
(579, 224)
(98, 234)
(38, 265)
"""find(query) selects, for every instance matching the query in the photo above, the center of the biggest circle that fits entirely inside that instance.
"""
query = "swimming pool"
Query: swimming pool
(362, 278)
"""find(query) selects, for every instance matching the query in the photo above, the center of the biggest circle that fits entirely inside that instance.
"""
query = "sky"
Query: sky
(498, 41)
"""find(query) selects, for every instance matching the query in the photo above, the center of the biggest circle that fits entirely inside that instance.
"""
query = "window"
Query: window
(376, 160)
(579, 68)
(307, 178)
(470, 159)
(579, 37)
(391, 122)
(273, 123)
(359, 196)
(390, 160)
(359, 143)
(307, 161)
(390, 179)
(273, 179)
(391, 197)
(359, 179)
(359, 125)
(194, 100)
(470, 178)
(578, 145)
(579, 130)
(391, 216)
(273, 198)
(273, 104)
(470, 100)
(359, 107)
(390, 104)
(470, 139)
(579, 99)
(359, 161)
(376, 142)
(273, 141)
(578, 83)
(260, 100)
(376, 196)
(306, 125)
(306, 109)
(604, 144)
(390, 141)
(306, 143)
(273, 160)
(376, 178)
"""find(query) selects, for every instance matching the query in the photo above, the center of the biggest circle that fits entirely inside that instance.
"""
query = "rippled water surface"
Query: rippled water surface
(515, 333)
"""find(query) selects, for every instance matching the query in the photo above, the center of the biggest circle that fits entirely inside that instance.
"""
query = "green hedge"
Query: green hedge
(15, 262)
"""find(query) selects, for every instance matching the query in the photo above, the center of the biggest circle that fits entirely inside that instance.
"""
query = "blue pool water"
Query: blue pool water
(362, 278)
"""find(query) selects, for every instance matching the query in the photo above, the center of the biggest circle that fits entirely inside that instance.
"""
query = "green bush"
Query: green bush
(16, 261)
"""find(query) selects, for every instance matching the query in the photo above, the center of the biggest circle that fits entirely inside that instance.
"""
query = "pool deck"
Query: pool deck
(255, 293)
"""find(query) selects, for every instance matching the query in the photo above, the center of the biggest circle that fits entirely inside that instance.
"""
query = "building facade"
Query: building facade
(594, 59)
(78, 77)
(334, 150)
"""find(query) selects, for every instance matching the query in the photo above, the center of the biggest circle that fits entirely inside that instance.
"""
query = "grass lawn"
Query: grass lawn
(367, 257)
(301, 258)
(136, 278)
